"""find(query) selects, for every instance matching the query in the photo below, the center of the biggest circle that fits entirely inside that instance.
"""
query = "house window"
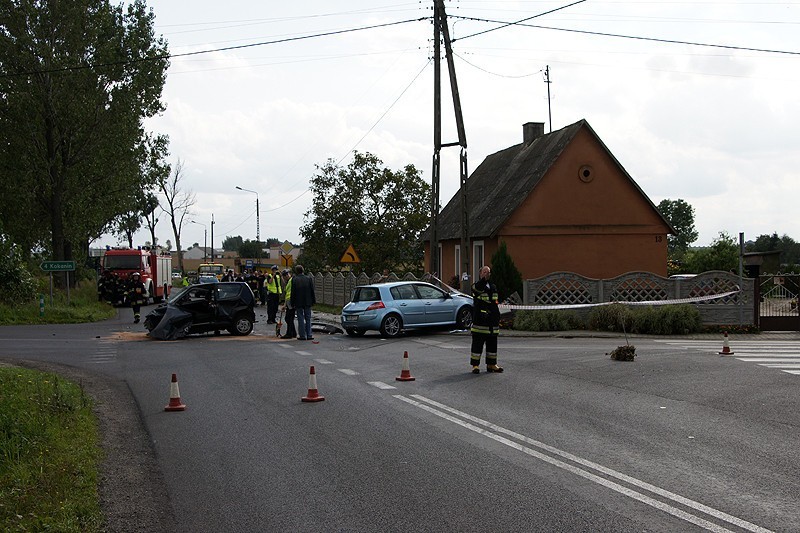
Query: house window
(457, 255)
(439, 261)
(477, 259)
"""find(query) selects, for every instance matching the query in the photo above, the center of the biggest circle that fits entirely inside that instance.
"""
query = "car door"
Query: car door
(439, 307)
(407, 302)
(199, 301)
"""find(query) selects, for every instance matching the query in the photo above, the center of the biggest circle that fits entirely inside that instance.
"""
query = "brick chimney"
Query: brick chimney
(531, 131)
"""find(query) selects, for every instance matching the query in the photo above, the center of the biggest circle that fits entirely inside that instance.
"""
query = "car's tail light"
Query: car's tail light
(376, 305)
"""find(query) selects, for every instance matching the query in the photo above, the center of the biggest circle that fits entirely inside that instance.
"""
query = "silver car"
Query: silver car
(392, 308)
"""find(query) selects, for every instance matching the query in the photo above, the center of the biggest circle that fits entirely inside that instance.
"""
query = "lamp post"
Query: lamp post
(205, 239)
(258, 224)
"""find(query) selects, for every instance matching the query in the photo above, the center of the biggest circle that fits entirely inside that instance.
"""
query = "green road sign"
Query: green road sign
(57, 266)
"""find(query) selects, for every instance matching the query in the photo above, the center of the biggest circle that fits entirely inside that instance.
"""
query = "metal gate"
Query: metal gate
(778, 309)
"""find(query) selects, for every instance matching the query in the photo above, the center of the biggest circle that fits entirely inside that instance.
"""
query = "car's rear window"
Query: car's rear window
(228, 292)
(366, 294)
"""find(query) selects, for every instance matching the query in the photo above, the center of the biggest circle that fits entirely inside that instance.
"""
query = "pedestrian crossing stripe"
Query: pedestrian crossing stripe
(783, 356)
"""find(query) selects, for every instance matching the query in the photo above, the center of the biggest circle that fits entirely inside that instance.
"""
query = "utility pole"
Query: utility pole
(212, 237)
(548, 82)
(441, 32)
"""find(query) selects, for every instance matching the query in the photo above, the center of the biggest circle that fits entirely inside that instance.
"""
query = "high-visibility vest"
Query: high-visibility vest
(274, 285)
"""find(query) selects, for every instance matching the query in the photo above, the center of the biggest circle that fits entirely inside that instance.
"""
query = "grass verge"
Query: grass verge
(82, 307)
(49, 454)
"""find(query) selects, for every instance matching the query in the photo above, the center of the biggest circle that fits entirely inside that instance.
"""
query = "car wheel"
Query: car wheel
(355, 332)
(464, 317)
(242, 325)
(391, 326)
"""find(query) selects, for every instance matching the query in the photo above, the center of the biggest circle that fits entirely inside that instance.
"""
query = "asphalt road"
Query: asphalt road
(565, 440)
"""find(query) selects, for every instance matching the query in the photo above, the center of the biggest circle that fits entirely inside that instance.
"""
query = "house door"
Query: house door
(778, 308)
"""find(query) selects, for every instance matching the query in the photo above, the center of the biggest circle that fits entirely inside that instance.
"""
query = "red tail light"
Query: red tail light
(376, 305)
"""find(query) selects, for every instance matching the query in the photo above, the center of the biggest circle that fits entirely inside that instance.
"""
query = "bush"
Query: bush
(653, 320)
(16, 282)
(547, 321)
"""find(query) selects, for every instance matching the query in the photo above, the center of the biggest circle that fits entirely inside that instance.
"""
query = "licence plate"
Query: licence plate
(351, 318)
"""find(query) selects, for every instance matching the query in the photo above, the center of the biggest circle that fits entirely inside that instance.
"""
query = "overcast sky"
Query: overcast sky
(713, 125)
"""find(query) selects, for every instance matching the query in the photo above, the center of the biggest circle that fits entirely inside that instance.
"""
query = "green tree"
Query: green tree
(723, 254)
(505, 273)
(790, 250)
(251, 249)
(680, 215)
(78, 80)
(379, 211)
(232, 244)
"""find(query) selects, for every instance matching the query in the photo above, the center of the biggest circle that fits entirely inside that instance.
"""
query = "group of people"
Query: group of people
(290, 293)
(118, 291)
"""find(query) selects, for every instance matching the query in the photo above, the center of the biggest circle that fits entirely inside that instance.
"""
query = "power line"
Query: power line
(506, 24)
(208, 51)
(621, 36)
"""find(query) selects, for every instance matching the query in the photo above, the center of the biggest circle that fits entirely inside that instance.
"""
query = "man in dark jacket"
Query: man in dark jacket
(302, 299)
(485, 323)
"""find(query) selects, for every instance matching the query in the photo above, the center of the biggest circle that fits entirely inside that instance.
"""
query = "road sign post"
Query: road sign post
(57, 266)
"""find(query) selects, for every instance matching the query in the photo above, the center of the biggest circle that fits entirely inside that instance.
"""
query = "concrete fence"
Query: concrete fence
(563, 288)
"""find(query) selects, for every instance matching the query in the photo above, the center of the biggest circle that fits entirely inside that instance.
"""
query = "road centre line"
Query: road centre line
(442, 411)
(320, 361)
(347, 371)
(301, 352)
(381, 385)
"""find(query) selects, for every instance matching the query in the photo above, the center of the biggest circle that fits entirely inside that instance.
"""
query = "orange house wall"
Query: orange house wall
(599, 229)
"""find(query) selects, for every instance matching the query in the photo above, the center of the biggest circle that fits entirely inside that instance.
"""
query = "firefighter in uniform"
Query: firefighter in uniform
(485, 323)
(274, 293)
(136, 294)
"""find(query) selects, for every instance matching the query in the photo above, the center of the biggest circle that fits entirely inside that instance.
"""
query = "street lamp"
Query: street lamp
(258, 223)
(205, 239)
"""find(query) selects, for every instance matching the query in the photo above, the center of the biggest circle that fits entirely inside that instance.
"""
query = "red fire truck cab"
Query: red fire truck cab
(154, 267)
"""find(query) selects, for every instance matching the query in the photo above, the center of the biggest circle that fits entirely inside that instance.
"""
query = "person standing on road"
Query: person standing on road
(136, 294)
(229, 276)
(274, 292)
(485, 322)
(291, 331)
(302, 299)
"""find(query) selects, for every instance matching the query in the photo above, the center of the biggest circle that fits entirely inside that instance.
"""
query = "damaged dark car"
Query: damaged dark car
(207, 307)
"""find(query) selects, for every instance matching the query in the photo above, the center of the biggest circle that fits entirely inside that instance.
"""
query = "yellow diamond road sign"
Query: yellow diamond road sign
(286, 247)
(350, 255)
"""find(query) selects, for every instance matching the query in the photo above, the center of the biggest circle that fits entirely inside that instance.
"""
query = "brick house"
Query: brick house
(561, 202)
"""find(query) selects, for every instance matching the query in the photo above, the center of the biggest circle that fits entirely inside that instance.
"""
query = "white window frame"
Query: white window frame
(477, 261)
(439, 262)
(457, 256)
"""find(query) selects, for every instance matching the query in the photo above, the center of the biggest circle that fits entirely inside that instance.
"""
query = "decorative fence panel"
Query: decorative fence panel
(565, 288)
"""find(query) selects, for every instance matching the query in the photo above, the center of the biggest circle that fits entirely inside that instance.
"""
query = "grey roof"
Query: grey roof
(505, 179)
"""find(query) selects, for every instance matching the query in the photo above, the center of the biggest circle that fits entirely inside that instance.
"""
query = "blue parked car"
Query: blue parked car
(392, 308)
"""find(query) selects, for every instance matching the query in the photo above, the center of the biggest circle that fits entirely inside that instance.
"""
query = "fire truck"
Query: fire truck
(153, 265)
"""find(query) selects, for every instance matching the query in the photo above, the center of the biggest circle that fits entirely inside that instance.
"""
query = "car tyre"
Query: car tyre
(464, 317)
(355, 332)
(391, 326)
(242, 325)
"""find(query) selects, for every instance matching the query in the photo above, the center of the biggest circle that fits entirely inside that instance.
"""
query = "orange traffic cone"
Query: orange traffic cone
(313, 394)
(174, 396)
(405, 374)
(726, 348)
